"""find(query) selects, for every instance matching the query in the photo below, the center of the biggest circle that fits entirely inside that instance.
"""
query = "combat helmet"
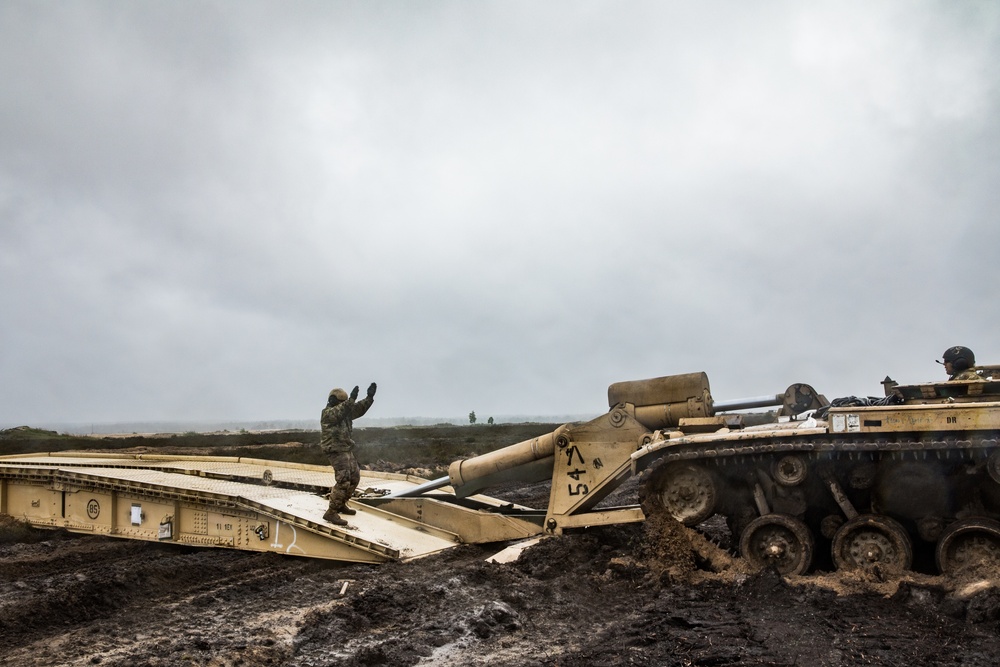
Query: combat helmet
(339, 394)
(960, 358)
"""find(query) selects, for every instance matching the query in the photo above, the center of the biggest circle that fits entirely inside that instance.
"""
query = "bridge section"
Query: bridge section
(224, 502)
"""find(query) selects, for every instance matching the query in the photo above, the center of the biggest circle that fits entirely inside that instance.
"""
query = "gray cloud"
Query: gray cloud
(222, 210)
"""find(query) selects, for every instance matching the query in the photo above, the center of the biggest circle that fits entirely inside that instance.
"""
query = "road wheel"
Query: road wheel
(790, 470)
(685, 490)
(969, 545)
(868, 541)
(779, 541)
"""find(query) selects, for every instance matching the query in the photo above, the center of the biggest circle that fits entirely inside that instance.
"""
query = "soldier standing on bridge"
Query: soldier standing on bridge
(337, 423)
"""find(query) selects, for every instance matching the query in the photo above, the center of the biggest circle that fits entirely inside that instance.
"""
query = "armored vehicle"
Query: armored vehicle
(871, 479)
(859, 483)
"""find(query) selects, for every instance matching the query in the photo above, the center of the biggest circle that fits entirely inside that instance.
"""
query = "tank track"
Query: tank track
(793, 446)
(929, 497)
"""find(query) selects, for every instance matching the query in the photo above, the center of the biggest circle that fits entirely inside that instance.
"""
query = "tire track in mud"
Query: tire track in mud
(582, 599)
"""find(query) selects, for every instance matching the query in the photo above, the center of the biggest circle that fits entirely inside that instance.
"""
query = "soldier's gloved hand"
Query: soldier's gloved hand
(354, 393)
(371, 390)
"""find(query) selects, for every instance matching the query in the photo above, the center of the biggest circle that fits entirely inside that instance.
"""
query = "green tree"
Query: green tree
(490, 421)
(472, 417)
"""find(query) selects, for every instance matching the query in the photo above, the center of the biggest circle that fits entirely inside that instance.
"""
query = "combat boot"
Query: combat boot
(332, 517)
(344, 509)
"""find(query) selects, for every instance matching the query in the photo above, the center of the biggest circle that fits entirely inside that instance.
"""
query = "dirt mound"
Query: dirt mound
(13, 531)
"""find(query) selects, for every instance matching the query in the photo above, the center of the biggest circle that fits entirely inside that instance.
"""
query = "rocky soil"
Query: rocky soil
(626, 595)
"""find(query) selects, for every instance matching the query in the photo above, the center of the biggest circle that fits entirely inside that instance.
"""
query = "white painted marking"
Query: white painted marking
(295, 537)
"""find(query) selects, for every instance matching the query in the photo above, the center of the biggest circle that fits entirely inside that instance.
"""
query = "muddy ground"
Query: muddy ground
(627, 595)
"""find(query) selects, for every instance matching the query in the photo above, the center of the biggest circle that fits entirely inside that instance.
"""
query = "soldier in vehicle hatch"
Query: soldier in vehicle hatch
(337, 422)
(959, 364)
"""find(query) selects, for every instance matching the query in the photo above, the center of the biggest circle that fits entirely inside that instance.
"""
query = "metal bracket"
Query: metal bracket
(842, 500)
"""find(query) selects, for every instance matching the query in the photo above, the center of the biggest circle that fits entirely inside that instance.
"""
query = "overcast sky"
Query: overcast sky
(222, 210)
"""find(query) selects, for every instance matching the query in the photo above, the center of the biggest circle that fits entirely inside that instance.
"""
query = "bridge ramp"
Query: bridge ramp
(212, 501)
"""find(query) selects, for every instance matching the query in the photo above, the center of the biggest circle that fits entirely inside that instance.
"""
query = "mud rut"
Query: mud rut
(631, 595)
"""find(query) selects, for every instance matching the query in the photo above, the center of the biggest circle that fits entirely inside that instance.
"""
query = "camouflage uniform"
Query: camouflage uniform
(336, 442)
(967, 374)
